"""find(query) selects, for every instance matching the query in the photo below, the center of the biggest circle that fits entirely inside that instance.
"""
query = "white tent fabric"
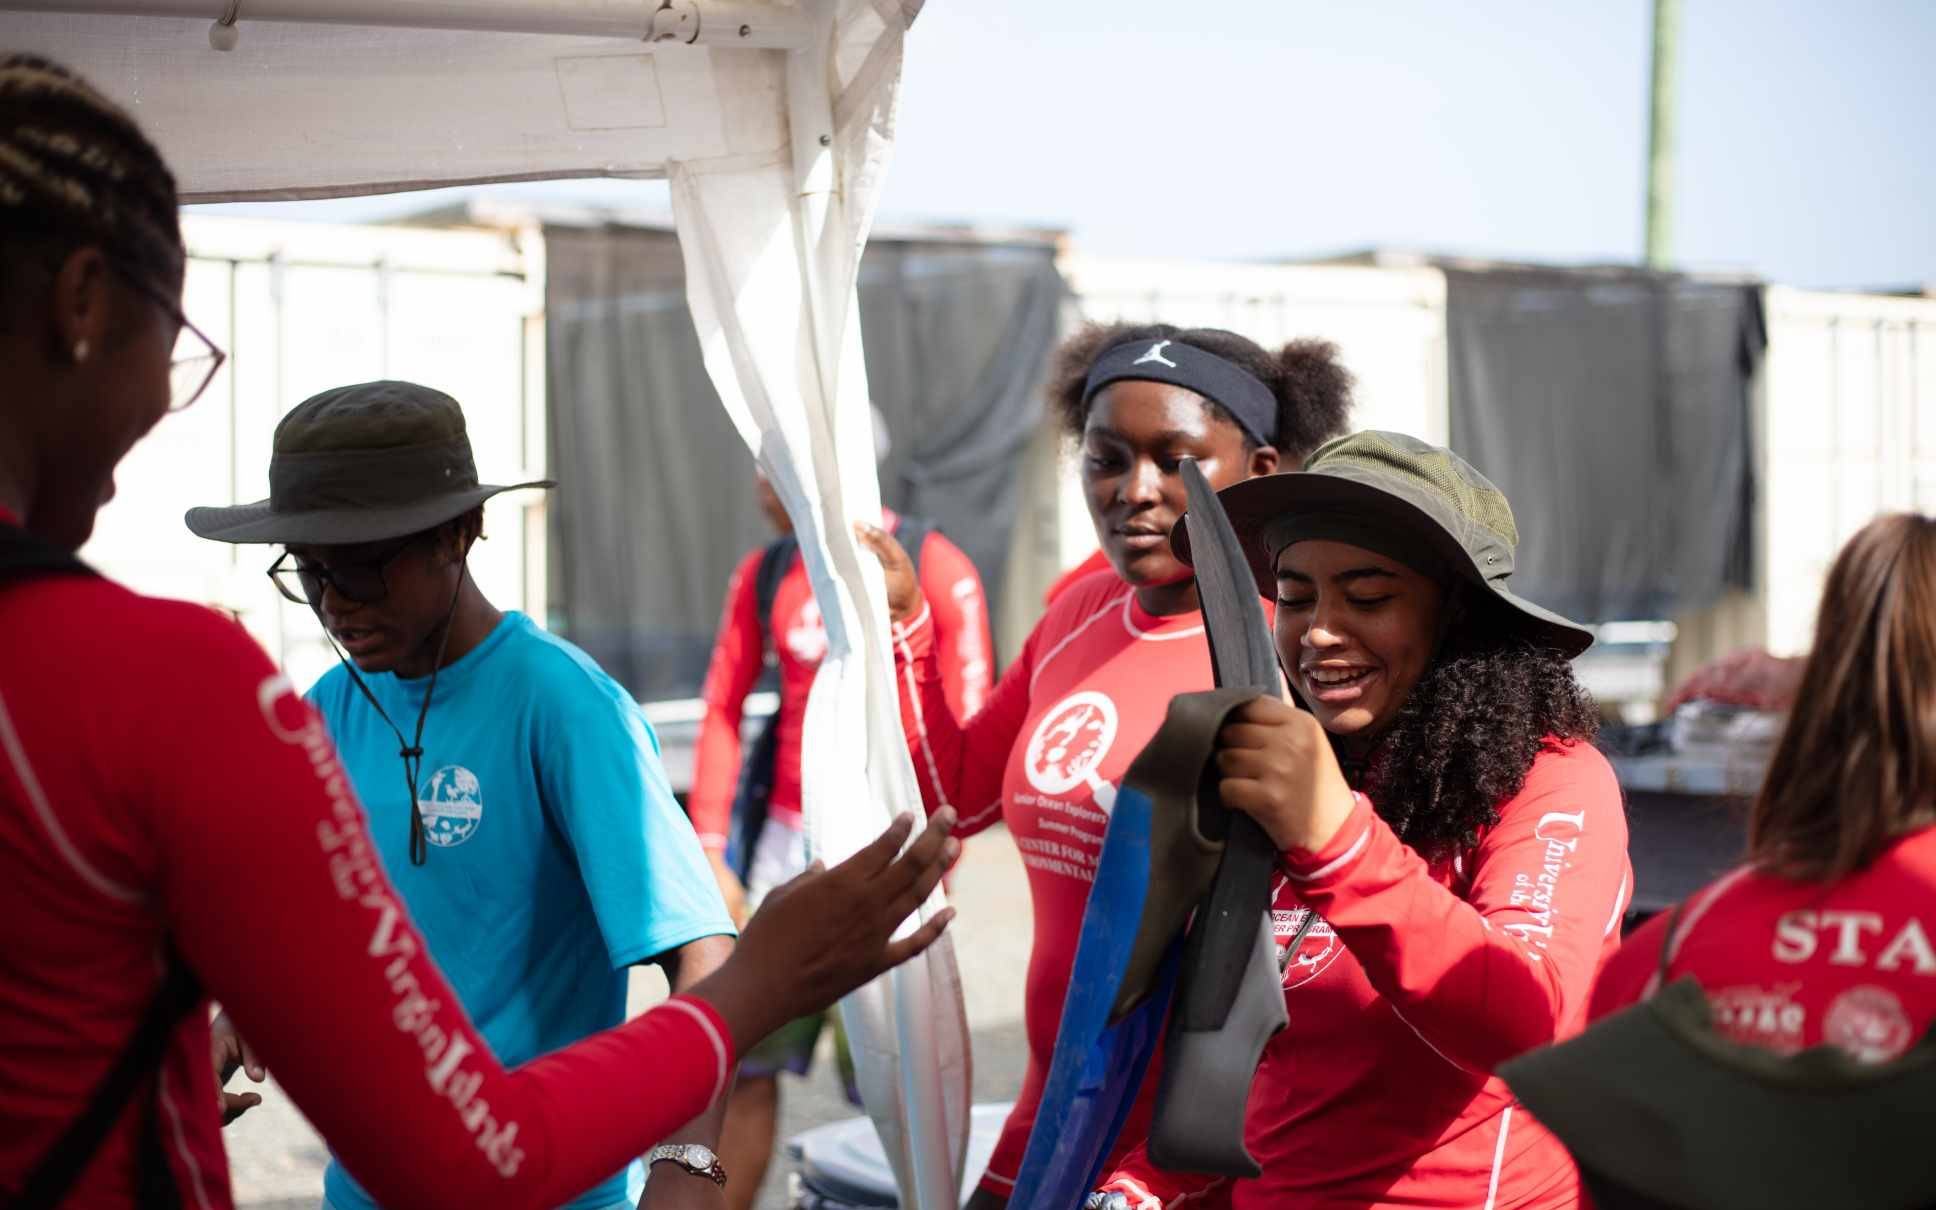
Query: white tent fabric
(773, 123)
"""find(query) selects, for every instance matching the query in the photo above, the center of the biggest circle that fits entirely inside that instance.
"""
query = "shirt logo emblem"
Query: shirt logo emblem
(1316, 950)
(1070, 743)
(1155, 354)
(1869, 1024)
(806, 639)
(452, 804)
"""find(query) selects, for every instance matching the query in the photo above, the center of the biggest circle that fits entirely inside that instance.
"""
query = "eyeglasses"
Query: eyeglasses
(358, 579)
(196, 357)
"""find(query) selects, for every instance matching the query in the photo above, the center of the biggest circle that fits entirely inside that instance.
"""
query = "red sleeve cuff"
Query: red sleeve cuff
(1340, 853)
(718, 1038)
(913, 637)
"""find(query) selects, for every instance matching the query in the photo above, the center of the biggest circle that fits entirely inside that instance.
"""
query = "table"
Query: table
(1686, 824)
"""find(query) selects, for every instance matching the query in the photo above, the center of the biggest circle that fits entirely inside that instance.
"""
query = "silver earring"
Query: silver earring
(80, 352)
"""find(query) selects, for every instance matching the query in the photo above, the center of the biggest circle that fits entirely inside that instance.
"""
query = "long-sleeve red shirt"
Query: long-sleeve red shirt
(953, 591)
(159, 780)
(1089, 689)
(1418, 979)
(1788, 965)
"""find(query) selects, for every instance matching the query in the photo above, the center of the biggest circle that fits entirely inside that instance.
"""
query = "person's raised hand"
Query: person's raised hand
(903, 588)
(828, 931)
(1275, 764)
(229, 1052)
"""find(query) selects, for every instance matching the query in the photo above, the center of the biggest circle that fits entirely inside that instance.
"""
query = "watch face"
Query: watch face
(700, 1156)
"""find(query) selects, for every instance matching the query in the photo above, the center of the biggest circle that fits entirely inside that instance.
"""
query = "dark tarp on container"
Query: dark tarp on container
(1613, 409)
(655, 504)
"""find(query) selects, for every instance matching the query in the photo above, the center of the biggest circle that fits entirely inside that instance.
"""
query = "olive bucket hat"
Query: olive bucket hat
(1662, 1110)
(1421, 503)
(362, 463)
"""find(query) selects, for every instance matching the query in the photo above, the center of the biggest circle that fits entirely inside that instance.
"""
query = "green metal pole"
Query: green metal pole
(1660, 134)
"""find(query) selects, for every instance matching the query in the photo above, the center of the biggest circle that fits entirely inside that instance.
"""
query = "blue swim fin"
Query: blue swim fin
(1099, 1066)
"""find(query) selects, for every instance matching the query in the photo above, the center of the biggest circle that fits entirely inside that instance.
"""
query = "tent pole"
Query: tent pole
(722, 23)
(1663, 82)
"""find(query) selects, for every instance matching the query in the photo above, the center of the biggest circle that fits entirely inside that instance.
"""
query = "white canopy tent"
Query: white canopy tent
(772, 122)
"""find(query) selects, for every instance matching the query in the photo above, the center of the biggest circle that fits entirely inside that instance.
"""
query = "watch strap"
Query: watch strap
(677, 1153)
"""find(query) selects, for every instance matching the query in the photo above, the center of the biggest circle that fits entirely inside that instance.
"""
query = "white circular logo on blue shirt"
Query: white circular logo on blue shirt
(452, 804)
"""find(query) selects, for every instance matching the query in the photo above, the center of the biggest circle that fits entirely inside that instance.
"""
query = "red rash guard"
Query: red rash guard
(1418, 979)
(1097, 561)
(1789, 965)
(954, 594)
(1089, 689)
(160, 780)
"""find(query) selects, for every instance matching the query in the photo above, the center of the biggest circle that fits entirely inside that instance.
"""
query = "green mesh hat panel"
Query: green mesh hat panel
(1417, 502)
(1435, 470)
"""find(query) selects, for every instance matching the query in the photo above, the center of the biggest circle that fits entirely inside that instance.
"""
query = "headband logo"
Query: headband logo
(1155, 354)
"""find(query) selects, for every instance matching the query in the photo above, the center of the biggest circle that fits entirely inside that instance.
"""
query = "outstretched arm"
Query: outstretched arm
(330, 981)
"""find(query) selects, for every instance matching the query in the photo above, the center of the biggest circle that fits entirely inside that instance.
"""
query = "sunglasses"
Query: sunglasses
(196, 359)
(359, 579)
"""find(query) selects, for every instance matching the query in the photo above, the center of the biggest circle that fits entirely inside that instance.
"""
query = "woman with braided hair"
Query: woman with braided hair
(175, 823)
(1090, 686)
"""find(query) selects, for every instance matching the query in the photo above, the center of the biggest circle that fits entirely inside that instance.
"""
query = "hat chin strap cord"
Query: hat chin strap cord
(411, 751)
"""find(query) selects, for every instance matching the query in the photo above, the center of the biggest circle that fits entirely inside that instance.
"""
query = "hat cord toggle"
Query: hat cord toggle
(411, 752)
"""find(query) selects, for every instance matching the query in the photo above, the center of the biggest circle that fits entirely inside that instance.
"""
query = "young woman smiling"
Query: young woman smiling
(1093, 679)
(1437, 806)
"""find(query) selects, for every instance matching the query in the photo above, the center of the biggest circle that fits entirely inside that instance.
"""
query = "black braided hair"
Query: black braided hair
(1465, 738)
(1312, 386)
(75, 170)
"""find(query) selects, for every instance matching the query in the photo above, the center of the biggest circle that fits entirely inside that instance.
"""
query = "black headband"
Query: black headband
(1235, 389)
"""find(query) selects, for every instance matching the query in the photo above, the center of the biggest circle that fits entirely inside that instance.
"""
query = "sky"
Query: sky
(1269, 129)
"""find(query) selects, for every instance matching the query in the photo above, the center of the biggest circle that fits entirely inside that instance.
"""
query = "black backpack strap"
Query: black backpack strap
(62, 1164)
(756, 764)
(775, 562)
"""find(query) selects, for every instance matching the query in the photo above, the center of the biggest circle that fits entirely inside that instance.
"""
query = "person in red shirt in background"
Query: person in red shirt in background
(176, 825)
(790, 632)
(1095, 676)
(1454, 852)
(1750, 677)
(1828, 933)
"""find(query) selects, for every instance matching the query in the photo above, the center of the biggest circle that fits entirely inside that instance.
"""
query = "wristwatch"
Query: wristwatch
(696, 1158)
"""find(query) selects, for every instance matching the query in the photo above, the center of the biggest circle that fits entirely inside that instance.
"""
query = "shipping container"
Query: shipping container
(301, 307)
(1844, 424)
(1845, 429)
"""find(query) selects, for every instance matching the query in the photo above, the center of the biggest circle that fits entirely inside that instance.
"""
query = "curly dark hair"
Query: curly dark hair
(1467, 735)
(1312, 386)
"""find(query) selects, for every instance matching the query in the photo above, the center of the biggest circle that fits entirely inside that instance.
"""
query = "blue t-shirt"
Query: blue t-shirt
(557, 854)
